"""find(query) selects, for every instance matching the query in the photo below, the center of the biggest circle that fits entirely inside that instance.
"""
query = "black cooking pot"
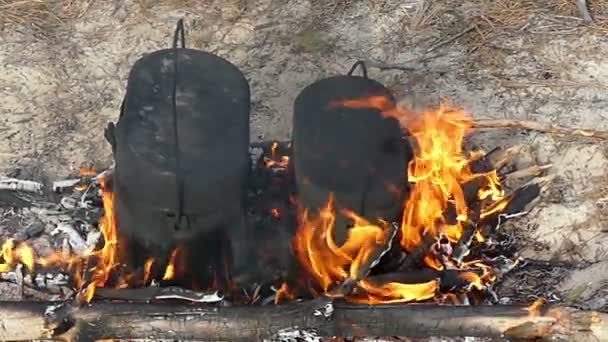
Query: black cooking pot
(354, 152)
(181, 149)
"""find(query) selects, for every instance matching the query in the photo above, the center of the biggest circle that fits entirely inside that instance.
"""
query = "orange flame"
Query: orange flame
(438, 173)
(534, 310)
(398, 292)
(323, 258)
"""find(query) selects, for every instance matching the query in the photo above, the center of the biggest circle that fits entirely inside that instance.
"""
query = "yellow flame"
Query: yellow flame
(439, 170)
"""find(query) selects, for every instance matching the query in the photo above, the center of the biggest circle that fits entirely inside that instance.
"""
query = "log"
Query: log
(21, 321)
(541, 127)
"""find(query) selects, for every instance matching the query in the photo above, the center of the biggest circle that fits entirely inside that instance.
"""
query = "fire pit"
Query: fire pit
(370, 203)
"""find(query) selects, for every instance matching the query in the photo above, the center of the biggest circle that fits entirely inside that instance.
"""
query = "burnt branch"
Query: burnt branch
(518, 201)
(532, 171)
(415, 258)
(583, 8)
(23, 321)
(469, 228)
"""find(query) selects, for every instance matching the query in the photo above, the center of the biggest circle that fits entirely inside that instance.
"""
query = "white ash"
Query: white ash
(256, 154)
(296, 334)
(79, 245)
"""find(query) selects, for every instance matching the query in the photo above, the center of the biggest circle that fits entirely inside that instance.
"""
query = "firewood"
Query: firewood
(415, 257)
(532, 171)
(496, 159)
(8, 183)
(470, 227)
(23, 321)
(584, 9)
(541, 127)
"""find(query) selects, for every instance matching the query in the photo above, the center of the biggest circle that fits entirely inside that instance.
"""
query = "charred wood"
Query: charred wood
(469, 228)
(496, 159)
(415, 258)
(531, 171)
(22, 321)
(518, 201)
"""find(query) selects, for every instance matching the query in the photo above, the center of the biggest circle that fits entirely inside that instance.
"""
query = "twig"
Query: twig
(462, 249)
(382, 66)
(540, 127)
(494, 160)
(451, 39)
(403, 66)
(584, 9)
(7, 183)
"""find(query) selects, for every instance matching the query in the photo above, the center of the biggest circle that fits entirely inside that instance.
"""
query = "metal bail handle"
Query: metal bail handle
(178, 222)
(179, 34)
(360, 64)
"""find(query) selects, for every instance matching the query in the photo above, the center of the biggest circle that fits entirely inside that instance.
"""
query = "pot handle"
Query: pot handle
(360, 64)
(179, 34)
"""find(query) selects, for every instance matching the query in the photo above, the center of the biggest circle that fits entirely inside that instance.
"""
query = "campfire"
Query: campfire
(370, 203)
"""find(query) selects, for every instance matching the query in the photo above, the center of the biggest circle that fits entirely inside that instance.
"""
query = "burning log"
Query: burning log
(23, 321)
(415, 258)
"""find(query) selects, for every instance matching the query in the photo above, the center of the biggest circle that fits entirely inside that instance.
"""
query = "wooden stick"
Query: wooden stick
(532, 171)
(583, 8)
(22, 321)
(451, 39)
(541, 127)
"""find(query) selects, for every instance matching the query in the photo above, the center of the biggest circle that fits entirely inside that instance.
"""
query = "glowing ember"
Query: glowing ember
(275, 212)
(438, 174)
(275, 161)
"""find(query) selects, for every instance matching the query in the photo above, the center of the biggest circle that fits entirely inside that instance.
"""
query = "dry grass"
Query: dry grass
(40, 14)
(548, 15)
(423, 16)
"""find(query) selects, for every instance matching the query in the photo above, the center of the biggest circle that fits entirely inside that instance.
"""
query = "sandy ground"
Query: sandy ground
(61, 84)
